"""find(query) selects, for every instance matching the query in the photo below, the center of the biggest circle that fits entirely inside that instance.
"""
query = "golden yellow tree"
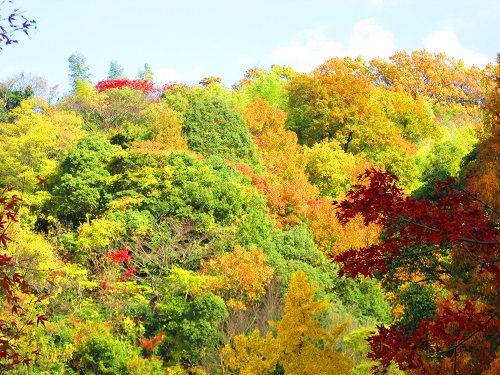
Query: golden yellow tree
(239, 277)
(300, 345)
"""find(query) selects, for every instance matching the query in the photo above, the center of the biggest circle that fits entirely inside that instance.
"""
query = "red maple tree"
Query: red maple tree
(18, 295)
(451, 243)
(145, 86)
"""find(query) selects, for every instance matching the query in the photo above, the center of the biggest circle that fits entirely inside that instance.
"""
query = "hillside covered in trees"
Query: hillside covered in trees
(338, 222)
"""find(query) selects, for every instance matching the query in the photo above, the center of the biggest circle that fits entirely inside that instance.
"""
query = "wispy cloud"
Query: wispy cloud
(367, 39)
(306, 56)
(447, 41)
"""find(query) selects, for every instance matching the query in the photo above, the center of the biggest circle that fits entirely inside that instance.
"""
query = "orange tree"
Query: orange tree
(339, 101)
(436, 76)
(440, 258)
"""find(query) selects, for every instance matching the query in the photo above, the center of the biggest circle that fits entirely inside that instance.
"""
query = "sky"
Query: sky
(186, 40)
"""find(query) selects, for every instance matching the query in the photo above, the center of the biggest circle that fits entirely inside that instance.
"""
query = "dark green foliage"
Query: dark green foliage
(193, 327)
(79, 190)
(212, 128)
(186, 188)
(134, 221)
(364, 299)
(418, 302)
(10, 99)
(294, 250)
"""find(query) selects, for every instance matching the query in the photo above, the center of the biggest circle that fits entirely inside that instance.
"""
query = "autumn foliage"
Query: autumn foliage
(180, 230)
(241, 276)
(300, 345)
(19, 297)
(144, 85)
(449, 242)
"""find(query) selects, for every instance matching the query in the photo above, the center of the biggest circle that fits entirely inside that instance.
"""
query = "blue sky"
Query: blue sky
(187, 40)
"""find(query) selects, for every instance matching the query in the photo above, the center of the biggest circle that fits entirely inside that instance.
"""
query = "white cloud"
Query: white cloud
(370, 40)
(446, 41)
(367, 39)
(166, 75)
(306, 57)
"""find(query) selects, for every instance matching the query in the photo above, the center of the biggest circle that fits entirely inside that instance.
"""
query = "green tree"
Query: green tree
(443, 158)
(116, 71)
(269, 85)
(213, 129)
(78, 70)
(100, 353)
(79, 191)
(193, 328)
(292, 250)
(146, 72)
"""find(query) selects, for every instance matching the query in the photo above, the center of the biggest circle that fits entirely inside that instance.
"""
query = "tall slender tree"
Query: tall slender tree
(78, 70)
(116, 71)
(146, 72)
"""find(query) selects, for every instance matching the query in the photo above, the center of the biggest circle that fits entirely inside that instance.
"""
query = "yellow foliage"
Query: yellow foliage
(124, 203)
(34, 143)
(166, 126)
(300, 346)
(33, 249)
(188, 282)
(240, 276)
(99, 233)
(253, 355)
(177, 370)
(278, 147)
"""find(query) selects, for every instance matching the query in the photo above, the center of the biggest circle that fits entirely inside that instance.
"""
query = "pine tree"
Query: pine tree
(116, 71)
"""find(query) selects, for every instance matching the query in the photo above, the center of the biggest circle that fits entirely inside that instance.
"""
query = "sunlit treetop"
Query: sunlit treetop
(143, 85)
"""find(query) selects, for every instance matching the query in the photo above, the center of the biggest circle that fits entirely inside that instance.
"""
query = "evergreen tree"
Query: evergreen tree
(146, 72)
(116, 71)
(79, 72)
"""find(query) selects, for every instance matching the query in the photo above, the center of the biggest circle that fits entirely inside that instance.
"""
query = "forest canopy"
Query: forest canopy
(340, 221)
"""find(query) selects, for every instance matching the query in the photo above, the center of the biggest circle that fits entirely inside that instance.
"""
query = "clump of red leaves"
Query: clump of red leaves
(452, 225)
(15, 290)
(145, 86)
(119, 256)
(150, 344)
